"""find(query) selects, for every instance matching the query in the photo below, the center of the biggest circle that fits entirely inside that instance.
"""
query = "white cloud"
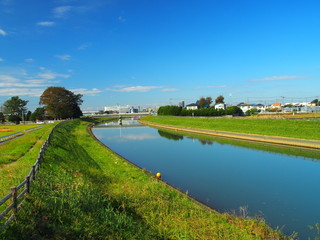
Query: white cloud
(62, 11)
(134, 89)
(6, 2)
(8, 79)
(121, 19)
(42, 79)
(64, 57)
(34, 92)
(169, 90)
(278, 78)
(205, 87)
(84, 46)
(19, 82)
(29, 60)
(143, 136)
(1, 60)
(46, 23)
(2, 33)
(51, 75)
(84, 91)
(22, 85)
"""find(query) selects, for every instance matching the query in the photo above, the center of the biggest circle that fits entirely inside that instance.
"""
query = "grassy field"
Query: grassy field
(287, 115)
(10, 129)
(18, 155)
(304, 129)
(85, 191)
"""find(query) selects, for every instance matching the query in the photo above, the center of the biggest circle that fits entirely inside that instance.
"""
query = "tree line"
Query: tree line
(55, 103)
(210, 111)
(204, 109)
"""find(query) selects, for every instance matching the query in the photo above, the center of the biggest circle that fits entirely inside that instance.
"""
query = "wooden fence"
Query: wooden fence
(17, 193)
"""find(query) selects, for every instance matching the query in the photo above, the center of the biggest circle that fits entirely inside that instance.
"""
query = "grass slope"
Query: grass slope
(18, 155)
(85, 191)
(304, 129)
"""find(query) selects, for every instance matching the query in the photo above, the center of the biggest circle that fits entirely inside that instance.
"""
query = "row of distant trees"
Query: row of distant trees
(204, 109)
(205, 102)
(210, 111)
(55, 103)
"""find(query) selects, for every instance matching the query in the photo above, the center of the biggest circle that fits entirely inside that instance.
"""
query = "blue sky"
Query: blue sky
(156, 52)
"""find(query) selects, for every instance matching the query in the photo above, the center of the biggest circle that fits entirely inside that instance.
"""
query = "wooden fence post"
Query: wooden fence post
(14, 199)
(28, 184)
(33, 172)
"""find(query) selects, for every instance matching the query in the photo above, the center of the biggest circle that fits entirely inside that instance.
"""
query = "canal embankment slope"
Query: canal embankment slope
(287, 131)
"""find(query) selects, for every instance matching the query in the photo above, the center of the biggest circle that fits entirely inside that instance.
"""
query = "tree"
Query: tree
(209, 100)
(2, 118)
(220, 99)
(38, 114)
(15, 107)
(14, 118)
(27, 117)
(61, 103)
(252, 111)
(170, 110)
(204, 102)
(234, 110)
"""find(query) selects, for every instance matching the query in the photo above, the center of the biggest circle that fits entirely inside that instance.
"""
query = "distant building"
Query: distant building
(276, 105)
(118, 109)
(192, 106)
(244, 106)
(220, 106)
(181, 104)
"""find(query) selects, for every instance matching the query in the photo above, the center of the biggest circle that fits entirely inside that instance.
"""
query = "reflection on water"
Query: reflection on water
(170, 136)
(277, 183)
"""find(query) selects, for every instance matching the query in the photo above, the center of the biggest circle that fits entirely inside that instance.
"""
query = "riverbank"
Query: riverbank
(260, 130)
(85, 191)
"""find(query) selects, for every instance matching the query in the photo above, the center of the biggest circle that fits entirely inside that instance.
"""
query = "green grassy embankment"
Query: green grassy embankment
(85, 191)
(304, 129)
(18, 155)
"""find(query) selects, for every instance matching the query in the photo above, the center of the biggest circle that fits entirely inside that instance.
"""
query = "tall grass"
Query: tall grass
(85, 191)
(304, 129)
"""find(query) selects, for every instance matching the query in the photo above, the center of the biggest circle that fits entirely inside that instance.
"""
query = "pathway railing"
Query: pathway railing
(18, 193)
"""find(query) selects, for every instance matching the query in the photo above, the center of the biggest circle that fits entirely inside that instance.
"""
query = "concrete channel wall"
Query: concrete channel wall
(314, 144)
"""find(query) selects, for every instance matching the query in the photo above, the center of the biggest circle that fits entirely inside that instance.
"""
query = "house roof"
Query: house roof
(276, 104)
(192, 105)
(243, 104)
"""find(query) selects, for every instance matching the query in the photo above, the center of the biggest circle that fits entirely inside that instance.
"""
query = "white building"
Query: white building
(192, 106)
(220, 106)
(118, 109)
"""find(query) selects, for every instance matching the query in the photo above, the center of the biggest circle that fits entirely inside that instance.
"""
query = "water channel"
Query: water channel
(279, 184)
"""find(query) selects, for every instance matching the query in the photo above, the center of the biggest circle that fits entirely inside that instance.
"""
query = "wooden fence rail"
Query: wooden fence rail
(17, 193)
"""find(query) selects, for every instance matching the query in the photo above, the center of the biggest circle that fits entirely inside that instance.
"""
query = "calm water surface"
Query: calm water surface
(283, 189)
